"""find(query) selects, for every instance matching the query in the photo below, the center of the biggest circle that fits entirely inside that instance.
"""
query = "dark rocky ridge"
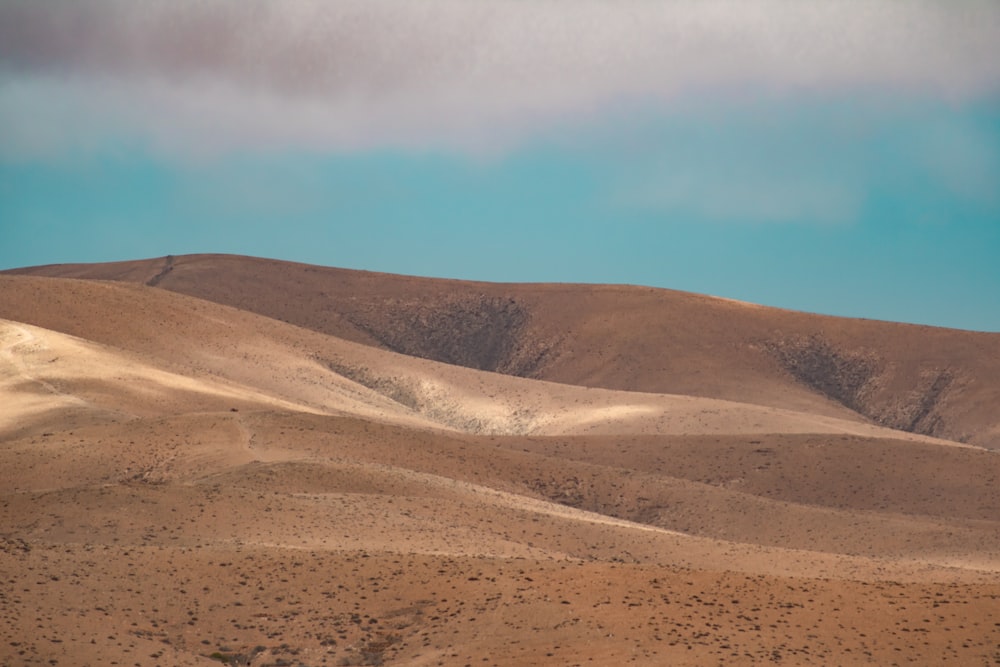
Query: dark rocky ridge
(488, 333)
(858, 379)
(844, 376)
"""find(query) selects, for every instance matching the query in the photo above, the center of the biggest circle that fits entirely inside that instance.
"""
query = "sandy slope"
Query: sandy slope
(182, 478)
(45, 372)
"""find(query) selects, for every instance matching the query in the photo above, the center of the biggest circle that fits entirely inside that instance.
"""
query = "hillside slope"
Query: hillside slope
(155, 338)
(925, 380)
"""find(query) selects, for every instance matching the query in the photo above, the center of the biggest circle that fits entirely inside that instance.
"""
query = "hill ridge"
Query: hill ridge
(910, 377)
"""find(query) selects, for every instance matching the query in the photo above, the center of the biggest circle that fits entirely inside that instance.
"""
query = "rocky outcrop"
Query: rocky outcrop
(864, 382)
(487, 333)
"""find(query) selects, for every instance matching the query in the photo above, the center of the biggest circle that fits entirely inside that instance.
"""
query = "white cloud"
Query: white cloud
(190, 75)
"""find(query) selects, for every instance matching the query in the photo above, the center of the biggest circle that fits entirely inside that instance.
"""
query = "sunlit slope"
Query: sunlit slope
(48, 377)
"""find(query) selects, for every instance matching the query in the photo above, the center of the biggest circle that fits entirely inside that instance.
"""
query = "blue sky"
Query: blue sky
(836, 158)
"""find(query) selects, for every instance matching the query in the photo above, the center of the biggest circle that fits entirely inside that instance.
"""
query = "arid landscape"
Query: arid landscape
(213, 459)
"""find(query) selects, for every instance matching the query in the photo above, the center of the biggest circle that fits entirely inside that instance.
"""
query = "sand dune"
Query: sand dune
(188, 482)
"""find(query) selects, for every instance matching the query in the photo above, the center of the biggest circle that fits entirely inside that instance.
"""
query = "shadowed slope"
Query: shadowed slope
(922, 379)
(913, 502)
(284, 535)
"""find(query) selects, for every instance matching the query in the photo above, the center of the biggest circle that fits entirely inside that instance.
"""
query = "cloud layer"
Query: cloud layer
(248, 74)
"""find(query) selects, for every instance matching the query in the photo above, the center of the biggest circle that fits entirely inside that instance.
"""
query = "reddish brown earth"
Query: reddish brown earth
(214, 459)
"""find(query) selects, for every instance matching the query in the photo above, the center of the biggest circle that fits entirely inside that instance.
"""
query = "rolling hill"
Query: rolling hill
(920, 379)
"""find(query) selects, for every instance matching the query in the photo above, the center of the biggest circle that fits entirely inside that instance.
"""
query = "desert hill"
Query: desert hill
(920, 379)
(201, 343)
(191, 479)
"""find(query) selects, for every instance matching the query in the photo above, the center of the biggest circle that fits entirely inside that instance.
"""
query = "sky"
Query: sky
(840, 157)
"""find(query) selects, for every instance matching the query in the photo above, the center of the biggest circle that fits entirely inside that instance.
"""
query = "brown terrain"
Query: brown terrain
(215, 459)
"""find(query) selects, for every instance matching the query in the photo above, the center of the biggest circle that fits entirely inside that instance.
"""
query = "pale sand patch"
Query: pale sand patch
(46, 370)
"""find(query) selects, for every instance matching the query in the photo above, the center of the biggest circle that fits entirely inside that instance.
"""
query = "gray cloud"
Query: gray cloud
(357, 73)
